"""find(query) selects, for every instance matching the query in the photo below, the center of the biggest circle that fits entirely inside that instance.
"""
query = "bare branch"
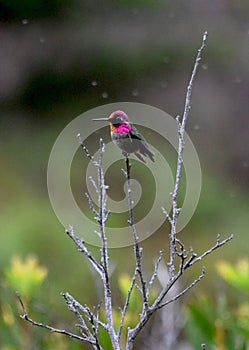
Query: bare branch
(73, 305)
(154, 275)
(137, 251)
(184, 291)
(132, 333)
(193, 255)
(25, 316)
(94, 184)
(216, 246)
(167, 215)
(182, 254)
(88, 154)
(91, 206)
(190, 86)
(98, 322)
(127, 301)
(183, 267)
(82, 248)
(173, 276)
(95, 332)
(104, 251)
(101, 215)
(181, 131)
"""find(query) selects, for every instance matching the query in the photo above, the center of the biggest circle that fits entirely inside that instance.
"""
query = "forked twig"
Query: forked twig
(25, 316)
(184, 291)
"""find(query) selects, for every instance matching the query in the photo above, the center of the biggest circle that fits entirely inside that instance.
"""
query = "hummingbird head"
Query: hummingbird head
(118, 117)
(119, 122)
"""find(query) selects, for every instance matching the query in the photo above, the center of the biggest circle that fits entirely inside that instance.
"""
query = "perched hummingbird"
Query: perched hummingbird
(126, 136)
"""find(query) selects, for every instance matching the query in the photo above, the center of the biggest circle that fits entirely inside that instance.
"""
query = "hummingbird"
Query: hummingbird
(126, 136)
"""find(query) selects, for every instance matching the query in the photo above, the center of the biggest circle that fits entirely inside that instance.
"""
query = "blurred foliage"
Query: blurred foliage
(220, 325)
(237, 276)
(26, 278)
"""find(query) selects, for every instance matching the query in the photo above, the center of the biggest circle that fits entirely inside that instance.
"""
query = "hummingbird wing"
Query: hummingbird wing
(142, 145)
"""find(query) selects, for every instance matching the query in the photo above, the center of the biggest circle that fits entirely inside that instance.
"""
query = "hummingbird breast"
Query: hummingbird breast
(124, 141)
(127, 137)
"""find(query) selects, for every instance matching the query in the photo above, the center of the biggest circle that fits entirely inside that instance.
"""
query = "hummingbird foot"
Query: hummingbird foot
(125, 154)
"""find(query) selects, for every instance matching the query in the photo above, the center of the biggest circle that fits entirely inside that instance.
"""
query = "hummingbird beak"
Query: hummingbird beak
(101, 119)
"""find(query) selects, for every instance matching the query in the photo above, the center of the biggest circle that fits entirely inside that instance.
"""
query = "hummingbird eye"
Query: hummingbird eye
(117, 119)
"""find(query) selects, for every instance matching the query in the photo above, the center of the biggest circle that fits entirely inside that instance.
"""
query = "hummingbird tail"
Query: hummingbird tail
(139, 156)
(151, 155)
(146, 153)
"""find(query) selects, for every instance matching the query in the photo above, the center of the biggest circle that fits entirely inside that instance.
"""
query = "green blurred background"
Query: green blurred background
(61, 58)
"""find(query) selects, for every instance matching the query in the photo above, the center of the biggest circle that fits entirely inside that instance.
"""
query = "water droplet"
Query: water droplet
(171, 15)
(238, 80)
(104, 94)
(135, 92)
(232, 194)
(135, 11)
(166, 59)
(42, 40)
(196, 127)
(25, 21)
(163, 84)
(204, 66)
(94, 83)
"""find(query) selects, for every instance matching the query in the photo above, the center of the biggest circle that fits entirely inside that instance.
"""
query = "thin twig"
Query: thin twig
(181, 270)
(216, 246)
(127, 301)
(101, 216)
(184, 291)
(25, 316)
(91, 206)
(104, 251)
(94, 184)
(181, 131)
(154, 275)
(70, 300)
(88, 154)
(73, 306)
(82, 248)
(167, 215)
(137, 251)
(96, 330)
